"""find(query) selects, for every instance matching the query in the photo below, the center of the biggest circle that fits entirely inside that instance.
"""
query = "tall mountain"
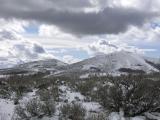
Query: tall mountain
(114, 63)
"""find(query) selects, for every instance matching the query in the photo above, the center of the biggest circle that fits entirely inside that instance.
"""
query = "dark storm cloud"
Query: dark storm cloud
(78, 22)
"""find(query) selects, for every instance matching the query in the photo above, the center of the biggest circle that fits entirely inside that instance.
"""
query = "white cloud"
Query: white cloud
(14, 48)
(52, 37)
(146, 34)
(150, 5)
(21, 48)
(13, 25)
(51, 31)
(16, 45)
(70, 59)
(107, 47)
(141, 41)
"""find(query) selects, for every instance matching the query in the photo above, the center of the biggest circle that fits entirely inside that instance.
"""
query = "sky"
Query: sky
(73, 30)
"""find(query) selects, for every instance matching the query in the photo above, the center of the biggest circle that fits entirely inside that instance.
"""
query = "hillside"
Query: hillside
(114, 63)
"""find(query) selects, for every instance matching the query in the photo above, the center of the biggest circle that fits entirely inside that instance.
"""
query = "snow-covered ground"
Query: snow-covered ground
(6, 109)
(117, 116)
(72, 96)
(7, 106)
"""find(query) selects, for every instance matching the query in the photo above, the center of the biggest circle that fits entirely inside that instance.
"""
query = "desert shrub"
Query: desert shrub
(34, 108)
(133, 94)
(18, 92)
(43, 94)
(20, 113)
(5, 94)
(99, 116)
(48, 108)
(85, 87)
(88, 86)
(52, 92)
(72, 111)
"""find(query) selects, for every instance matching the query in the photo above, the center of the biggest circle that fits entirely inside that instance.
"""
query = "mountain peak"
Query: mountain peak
(116, 62)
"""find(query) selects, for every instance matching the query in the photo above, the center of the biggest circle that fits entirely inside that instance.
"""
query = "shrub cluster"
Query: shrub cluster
(34, 109)
(134, 95)
(72, 111)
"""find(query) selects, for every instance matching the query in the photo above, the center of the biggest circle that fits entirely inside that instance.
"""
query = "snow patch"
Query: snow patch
(6, 109)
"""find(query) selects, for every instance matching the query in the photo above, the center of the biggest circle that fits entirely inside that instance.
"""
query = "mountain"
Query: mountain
(155, 62)
(9, 62)
(114, 63)
(50, 65)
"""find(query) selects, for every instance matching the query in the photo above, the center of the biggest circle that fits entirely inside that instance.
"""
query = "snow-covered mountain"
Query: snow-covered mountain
(8, 63)
(155, 62)
(51, 65)
(117, 62)
(113, 63)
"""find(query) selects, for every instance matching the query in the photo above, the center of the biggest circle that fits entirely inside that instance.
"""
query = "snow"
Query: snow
(117, 116)
(138, 118)
(92, 106)
(8, 62)
(101, 64)
(7, 106)
(114, 116)
(154, 60)
(84, 76)
(28, 97)
(69, 95)
(152, 116)
(111, 63)
(6, 109)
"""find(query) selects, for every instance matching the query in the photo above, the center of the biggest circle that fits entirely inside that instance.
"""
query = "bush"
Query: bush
(72, 111)
(5, 94)
(20, 113)
(51, 93)
(34, 108)
(48, 108)
(86, 87)
(96, 117)
(133, 95)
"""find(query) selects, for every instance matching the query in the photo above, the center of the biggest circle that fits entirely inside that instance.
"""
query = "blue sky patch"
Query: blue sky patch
(32, 29)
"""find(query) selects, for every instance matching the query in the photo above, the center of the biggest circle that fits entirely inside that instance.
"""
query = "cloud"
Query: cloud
(148, 34)
(74, 19)
(143, 41)
(7, 34)
(14, 48)
(131, 25)
(51, 37)
(70, 59)
(70, 4)
(13, 25)
(107, 47)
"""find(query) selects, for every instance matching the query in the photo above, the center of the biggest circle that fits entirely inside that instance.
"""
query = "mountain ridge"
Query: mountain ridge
(113, 63)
